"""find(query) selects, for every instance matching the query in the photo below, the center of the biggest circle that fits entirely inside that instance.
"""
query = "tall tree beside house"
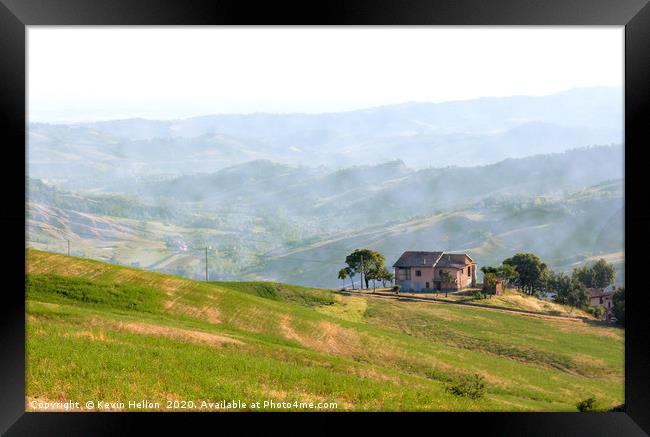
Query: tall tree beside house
(489, 270)
(366, 262)
(618, 300)
(531, 271)
(489, 279)
(378, 273)
(603, 273)
(599, 275)
(506, 273)
(371, 275)
(386, 276)
(584, 275)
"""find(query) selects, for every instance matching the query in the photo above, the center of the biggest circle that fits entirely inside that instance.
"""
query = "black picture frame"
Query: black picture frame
(15, 15)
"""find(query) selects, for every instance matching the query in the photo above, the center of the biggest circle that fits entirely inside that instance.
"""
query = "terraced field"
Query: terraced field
(98, 331)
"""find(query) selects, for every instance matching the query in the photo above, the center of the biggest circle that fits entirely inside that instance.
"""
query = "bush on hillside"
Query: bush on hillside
(396, 288)
(598, 312)
(480, 295)
(471, 386)
(588, 405)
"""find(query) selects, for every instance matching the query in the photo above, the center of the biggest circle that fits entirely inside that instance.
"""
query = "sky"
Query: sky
(97, 73)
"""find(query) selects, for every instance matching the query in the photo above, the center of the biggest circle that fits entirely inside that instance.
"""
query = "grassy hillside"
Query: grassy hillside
(100, 331)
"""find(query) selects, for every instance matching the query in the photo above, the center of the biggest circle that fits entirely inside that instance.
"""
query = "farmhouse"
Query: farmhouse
(420, 271)
(602, 297)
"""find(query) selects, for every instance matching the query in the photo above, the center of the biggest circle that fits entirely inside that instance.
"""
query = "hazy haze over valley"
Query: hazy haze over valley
(286, 196)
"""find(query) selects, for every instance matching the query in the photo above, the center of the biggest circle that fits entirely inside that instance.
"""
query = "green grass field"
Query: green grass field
(97, 331)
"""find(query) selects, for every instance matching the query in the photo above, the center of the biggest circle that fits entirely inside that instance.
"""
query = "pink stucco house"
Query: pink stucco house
(420, 271)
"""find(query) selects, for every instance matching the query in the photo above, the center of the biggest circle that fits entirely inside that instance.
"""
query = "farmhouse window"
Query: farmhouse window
(418, 273)
(404, 274)
(469, 271)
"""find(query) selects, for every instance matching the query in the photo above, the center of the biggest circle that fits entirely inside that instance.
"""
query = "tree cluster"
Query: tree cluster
(530, 274)
(504, 273)
(369, 265)
(569, 291)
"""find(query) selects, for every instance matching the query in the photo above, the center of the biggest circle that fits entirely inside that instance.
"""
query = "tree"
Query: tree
(569, 291)
(489, 281)
(489, 269)
(373, 274)
(599, 275)
(531, 272)
(366, 262)
(346, 272)
(385, 276)
(584, 275)
(351, 274)
(618, 302)
(506, 273)
(447, 279)
(379, 273)
(343, 274)
(603, 273)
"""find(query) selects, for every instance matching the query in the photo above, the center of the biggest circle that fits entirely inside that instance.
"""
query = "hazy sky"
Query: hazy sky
(89, 73)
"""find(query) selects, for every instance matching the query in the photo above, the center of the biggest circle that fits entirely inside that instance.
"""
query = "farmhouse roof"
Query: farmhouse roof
(412, 259)
(431, 259)
(453, 260)
(598, 292)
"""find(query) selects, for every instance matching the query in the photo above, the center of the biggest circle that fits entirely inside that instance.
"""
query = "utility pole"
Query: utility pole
(206, 263)
(361, 286)
(68, 247)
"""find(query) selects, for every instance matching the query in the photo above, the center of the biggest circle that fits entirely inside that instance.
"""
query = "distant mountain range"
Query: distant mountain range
(463, 133)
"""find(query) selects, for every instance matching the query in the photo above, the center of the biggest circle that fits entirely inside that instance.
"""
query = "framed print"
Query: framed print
(257, 215)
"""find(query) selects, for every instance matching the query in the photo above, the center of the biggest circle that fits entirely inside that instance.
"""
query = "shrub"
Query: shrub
(479, 295)
(471, 386)
(396, 288)
(489, 281)
(588, 405)
(598, 312)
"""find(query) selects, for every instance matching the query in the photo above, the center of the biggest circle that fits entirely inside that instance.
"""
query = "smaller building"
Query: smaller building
(602, 297)
(495, 288)
(434, 271)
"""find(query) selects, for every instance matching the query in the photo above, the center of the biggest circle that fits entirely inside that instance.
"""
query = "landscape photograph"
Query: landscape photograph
(326, 219)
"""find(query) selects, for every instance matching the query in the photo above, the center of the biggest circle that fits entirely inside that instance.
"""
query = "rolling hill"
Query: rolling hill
(97, 331)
